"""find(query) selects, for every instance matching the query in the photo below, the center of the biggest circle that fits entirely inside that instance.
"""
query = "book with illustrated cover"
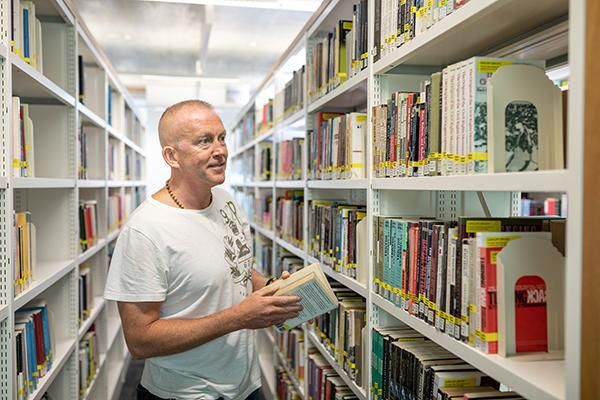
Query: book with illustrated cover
(316, 294)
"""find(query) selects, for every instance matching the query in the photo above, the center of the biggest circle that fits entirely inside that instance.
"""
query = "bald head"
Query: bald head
(173, 122)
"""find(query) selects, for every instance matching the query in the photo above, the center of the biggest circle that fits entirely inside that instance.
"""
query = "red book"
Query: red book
(531, 319)
(88, 226)
(40, 350)
(489, 306)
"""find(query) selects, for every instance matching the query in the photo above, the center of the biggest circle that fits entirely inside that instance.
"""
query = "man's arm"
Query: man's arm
(148, 335)
(258, 281)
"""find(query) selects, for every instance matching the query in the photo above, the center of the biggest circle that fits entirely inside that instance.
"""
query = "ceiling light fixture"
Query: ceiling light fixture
(287, 5)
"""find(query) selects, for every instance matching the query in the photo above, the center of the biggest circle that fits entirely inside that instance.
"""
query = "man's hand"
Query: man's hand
(262, 309)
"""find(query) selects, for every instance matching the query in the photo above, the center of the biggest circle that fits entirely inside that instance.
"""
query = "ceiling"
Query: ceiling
(235, 39)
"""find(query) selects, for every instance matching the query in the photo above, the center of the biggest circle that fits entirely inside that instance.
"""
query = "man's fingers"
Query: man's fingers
(285, 275)
(285, 300)
(268, 290)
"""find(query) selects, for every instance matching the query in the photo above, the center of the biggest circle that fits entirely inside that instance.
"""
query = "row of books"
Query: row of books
(244, 132)
(337, 237)
(341, 332)
(471, 118)
(550, 206)
(289, 222)
(115, 211)
(246, 203)
(25, 251)
(263, 253)
(115, 109)
(263, 172)
(336, 149)
(324, 383)
(114, 160)
(451, 275)
(88, 360)
(291, 98)
(399, 21)
(26, 33)
(406, 365)
(86, 293)
(23, 140)
(264, 212)
(339, 54)
(290, 344)
(82, 170)
(34, 347)
(133, 165)
(286, 390)
(264, 118)
(287, 262)
(88, 224)
(289, 159)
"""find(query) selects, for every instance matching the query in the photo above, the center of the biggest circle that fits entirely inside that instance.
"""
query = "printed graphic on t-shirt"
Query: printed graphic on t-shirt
(237, 251)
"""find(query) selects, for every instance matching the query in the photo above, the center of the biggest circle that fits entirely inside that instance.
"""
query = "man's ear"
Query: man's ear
(169, 154)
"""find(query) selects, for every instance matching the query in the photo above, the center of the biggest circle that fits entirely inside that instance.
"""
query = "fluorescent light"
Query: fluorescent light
(288, 5)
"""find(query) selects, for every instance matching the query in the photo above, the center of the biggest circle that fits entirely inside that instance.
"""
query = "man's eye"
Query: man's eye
(204, 141)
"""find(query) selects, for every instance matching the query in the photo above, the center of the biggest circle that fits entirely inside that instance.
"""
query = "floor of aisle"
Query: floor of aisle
(132, 378)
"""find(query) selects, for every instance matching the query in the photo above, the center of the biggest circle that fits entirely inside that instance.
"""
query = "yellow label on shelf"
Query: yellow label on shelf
(421, 12)
(429, 4)
(16, 163)
(361, 118)
(442, 3)
(472, 308)
(413, 10)
(491, 66)
(464, 318)
(347, 25)
(406, 27)
(483, 226)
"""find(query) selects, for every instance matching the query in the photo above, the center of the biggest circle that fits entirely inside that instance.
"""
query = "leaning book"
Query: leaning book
(316, 294)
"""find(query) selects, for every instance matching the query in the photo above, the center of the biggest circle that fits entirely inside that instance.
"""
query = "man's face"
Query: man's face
(202, 153)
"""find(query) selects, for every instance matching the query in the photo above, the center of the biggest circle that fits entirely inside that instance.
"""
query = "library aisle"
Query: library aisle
(428, 155)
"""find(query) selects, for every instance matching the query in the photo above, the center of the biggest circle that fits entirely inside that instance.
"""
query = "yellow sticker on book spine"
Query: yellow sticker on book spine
(484, 226)
(491, 66)
(499, 241)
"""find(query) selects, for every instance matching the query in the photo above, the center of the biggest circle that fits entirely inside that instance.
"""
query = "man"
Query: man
(182, 273)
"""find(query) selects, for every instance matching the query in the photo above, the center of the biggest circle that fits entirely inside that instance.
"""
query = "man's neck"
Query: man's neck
(193, 198)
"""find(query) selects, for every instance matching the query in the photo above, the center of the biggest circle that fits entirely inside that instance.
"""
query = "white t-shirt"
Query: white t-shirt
(196, 262)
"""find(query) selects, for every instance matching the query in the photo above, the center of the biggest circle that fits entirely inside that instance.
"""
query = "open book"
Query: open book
(314, 290)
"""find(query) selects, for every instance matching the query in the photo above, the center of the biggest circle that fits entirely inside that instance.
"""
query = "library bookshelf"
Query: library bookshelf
(75, 94)
(553, 31)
